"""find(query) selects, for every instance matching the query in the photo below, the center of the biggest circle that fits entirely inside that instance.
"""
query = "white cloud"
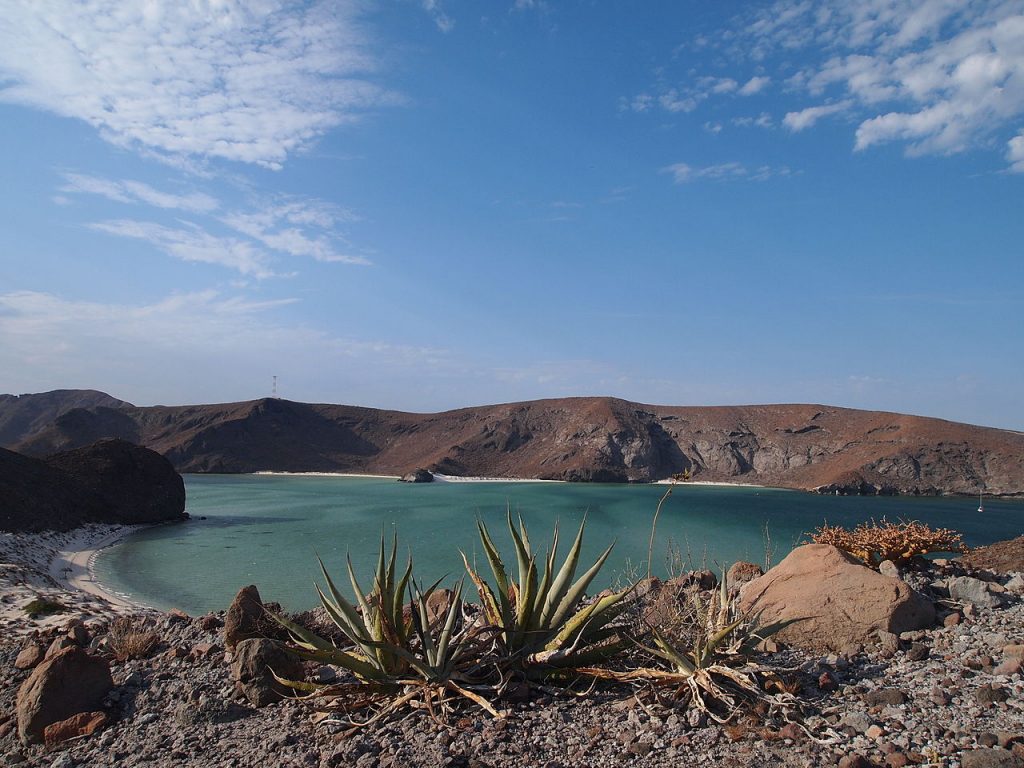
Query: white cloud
(1015, 153)
(754, 85)
(673, 101)
(723, 85)
(243, 80)
(191, 243)
(764, 120)
(939, 76)
(137, 192)
(805, 118)
(683, 173)
(444, 22)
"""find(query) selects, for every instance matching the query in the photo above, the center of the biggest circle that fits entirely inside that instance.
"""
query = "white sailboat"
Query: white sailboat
(981, 502)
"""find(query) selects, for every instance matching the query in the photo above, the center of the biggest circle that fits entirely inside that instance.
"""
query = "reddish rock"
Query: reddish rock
(839, 600)
(242, 620)
(204, 650)
(1011, 666)
(210, 622)
(741, 572)
(82, 724)
(59, 644)
(952, 619)
(30, 655)
(63, 685)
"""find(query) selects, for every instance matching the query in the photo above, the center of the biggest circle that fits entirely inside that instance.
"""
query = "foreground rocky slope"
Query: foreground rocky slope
(945, 696)
(597, 439)
(110, 481)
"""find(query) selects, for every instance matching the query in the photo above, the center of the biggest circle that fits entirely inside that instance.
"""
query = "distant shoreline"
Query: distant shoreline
(440, 478)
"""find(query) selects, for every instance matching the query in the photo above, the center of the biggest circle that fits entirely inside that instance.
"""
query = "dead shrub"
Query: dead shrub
(899, 542)
(130, 639)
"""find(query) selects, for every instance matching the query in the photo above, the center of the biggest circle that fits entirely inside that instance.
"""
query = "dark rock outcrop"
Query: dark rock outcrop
(588, 439)
(418, 476)
(254, 665)
(64, 685)
(109, 482)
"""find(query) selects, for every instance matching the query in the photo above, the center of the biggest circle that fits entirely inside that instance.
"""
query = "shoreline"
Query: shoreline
(58, 567)
(74, 566)
(441, 478)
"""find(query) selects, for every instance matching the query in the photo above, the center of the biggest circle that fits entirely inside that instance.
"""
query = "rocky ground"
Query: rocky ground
(952, 695)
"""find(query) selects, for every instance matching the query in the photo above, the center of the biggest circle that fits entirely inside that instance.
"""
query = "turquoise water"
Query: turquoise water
(267, 530)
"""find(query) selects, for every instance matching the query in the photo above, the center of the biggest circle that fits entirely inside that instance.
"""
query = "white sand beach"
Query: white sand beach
(57, 567)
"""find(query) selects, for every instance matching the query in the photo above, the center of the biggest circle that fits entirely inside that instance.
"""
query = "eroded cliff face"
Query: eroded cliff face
(809, 447)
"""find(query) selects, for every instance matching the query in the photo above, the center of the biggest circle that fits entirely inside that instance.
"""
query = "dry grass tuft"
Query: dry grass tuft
(129, 639)
(899, 542)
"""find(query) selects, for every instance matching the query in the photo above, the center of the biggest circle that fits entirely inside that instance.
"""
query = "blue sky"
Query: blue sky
(427, 204)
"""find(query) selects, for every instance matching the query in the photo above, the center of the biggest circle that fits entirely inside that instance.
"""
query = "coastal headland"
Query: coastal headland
(808, 447)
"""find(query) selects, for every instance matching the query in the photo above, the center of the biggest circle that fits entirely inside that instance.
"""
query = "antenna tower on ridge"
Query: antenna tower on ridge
(273, 389)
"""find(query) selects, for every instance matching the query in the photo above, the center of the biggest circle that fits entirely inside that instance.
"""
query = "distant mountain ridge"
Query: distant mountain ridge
(809, 447)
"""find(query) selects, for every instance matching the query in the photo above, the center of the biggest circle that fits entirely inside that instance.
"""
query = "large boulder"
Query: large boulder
(64, 685)
(251, 668)
(840, 600)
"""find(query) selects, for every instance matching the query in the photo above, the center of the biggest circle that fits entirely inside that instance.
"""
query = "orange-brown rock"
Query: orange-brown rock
(30, 655)
(66, 684)
(82, 724)
(840, 601)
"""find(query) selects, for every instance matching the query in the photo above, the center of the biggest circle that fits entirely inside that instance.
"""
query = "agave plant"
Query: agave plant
(396, 659)
(538, 619)
(704, 672)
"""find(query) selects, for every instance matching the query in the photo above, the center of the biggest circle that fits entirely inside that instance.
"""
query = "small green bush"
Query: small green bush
(42, 606)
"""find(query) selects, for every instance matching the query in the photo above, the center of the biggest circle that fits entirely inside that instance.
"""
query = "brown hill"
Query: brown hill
(809, 447)
(109, 482)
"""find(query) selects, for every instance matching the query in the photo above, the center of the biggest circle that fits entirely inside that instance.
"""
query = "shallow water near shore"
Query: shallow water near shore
(267, 530)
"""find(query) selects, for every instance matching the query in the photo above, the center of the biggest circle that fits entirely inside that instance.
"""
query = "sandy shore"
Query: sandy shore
(439, 478)
(57, 567)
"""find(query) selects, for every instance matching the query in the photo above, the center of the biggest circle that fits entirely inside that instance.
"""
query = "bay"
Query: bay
(268, 530)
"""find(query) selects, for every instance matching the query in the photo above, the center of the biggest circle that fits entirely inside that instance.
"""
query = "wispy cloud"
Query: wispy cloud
(242, 81)
(290, 226)
(276, 227)
(764, 120)
(188, 242)
(806, 118)
(683, 173)
(138, 192)
(442, 20)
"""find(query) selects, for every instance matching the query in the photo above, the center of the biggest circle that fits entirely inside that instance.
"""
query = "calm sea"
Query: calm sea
(267, 530)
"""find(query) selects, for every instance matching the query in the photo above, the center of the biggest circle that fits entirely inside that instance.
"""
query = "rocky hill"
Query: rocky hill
(810, 447)
(108, 482)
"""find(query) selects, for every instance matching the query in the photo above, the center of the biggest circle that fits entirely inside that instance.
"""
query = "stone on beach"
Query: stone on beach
(838, 600)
